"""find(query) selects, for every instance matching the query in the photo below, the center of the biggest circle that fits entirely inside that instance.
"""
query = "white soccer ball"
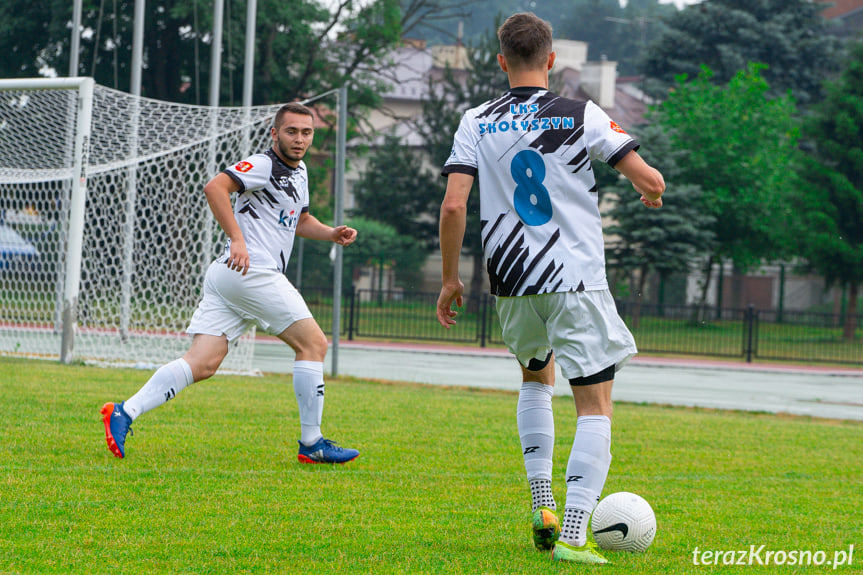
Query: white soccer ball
(623, 521)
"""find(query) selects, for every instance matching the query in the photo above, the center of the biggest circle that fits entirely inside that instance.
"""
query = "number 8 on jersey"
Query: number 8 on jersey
(531, 198)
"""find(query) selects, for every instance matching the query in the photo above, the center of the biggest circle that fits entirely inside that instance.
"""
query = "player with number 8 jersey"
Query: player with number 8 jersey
(541, 231)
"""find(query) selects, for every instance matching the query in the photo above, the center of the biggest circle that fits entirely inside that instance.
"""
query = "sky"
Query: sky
(679, 3)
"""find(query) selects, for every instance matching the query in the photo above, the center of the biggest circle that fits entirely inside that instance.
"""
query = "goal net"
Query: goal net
(105, 233)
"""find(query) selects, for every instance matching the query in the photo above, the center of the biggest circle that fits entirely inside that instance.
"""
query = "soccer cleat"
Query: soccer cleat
(325, 451)
(546, 528)
(117, 425)
(587, 554)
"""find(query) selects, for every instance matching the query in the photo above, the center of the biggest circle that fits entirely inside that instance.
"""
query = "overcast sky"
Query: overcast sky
(679, 3)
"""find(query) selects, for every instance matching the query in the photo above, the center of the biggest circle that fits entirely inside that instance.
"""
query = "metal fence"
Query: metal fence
(748, 334)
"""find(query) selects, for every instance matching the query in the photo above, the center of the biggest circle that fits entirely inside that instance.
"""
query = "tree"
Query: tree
(448, 98)
(669, 240)
(789, 36)
(397, 190)
(31, 35)
(830, 194)
(382, 246)
(378, 246)
(305, 47)
(740, 147)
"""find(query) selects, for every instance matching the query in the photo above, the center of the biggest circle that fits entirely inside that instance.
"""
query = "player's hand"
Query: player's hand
(238, 260)
(657, 203)
(449, 293)
(650, 200)
(344, 236)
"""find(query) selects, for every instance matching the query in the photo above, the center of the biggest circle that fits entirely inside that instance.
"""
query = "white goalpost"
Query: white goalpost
(105, 232)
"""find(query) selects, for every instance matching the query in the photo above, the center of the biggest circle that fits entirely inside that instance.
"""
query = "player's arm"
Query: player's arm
(310, 227)
(453, 219)
(646, 180)
(218, 192)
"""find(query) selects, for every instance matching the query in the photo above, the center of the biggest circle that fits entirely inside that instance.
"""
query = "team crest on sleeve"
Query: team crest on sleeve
(616, 127)
(243, 167)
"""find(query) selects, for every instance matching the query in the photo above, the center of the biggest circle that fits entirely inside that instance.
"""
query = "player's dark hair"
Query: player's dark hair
(291, 108)
(525, 40)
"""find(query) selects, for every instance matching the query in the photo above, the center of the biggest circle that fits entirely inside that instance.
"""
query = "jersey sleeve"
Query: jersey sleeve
(462, 158)
(305, 186)
(606, 140)
(253, 173)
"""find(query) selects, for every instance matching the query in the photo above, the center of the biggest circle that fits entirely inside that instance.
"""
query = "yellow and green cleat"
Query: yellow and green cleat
(587, 554)
(546, 528)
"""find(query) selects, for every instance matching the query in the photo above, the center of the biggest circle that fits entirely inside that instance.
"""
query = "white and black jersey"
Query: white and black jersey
(531, 151)
(271, 198)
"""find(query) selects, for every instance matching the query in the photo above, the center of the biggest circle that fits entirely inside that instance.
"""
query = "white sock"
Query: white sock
(309, 390)
(535, 420)
(164, 385)
(586, 472)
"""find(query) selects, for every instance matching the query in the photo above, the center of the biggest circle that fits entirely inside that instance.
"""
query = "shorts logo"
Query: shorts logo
(243, 167)
(617, 128)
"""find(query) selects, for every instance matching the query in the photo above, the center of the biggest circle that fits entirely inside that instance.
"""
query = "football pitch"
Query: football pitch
(211, 483)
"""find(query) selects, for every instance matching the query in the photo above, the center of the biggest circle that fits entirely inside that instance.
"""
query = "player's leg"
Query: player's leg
(587, 467)
(525, 335)
(200, 362)
(590, 341)
(213, 325)
(283, 312)
(279, 309)
(535, 420)
(310, 346)
(590, 457)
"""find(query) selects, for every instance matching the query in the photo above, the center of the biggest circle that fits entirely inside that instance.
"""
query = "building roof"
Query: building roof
(840, 8)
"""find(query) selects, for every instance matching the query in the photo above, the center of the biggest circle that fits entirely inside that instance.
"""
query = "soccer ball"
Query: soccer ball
(623, 522)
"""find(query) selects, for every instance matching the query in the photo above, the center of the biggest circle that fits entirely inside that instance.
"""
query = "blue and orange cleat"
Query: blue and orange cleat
(117, 425)
(325, 451)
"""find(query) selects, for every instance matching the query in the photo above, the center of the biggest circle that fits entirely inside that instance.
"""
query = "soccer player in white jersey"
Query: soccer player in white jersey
(542, 238)
(247, 286)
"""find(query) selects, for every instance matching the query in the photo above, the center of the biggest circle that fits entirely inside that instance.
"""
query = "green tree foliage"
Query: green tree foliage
(740, 147)
(829, 198)
(448, 98)
(304, 47)
(382, 246)
(378, 245)
(668, 240)
(397, 190)
(30, 36)
(789, 36)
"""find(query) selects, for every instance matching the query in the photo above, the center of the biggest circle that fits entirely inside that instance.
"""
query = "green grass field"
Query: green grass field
(211, 483)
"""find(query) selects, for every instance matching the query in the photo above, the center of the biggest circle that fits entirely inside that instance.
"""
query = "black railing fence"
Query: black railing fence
(748, 333)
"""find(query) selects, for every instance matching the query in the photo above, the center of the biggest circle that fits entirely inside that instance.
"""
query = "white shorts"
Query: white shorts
(583, 328)
(233, 303)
